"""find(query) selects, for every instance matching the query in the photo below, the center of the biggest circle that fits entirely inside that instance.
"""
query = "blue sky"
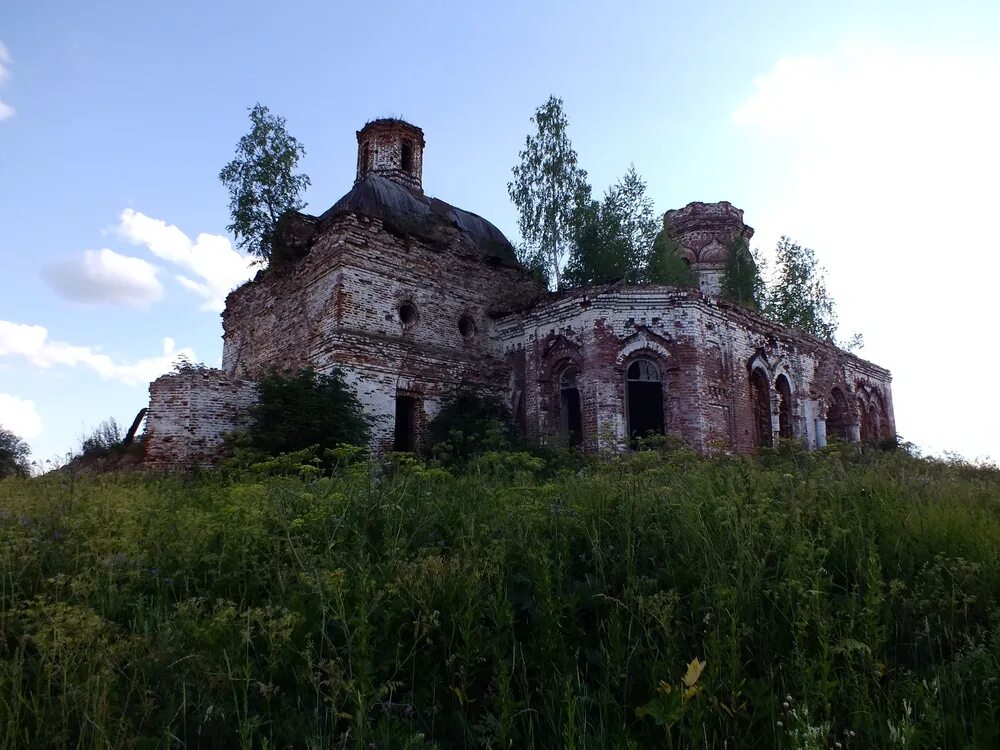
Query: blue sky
(865, 132)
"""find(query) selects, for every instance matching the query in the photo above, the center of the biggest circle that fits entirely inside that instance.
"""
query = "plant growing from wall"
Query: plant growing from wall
(262, 182)
(666, 265)
(797, 296)
(612, 238)
(546, 189)
(742, 282)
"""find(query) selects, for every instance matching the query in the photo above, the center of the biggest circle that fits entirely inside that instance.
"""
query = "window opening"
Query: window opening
(761, 394)
(366, 161)
(784, 407)
(836, 415)
(407, 156)
(644, 399)
(570, 415)
(467, 326)
(405, 437)
(407, 314)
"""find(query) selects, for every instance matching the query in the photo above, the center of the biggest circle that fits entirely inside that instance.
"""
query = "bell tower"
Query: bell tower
(393, 149)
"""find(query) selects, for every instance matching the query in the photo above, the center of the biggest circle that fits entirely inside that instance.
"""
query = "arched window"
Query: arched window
(836, 415)
(570, 415)
(784, 389)
(644, 399)
(760, 393)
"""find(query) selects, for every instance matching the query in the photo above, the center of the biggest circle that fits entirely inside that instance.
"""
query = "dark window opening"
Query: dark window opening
(366, 158)
(467, 326)
(570, 414)
(406, 422)
(407, 314)
(761, 395)
(784, 407)
(644, 399)
(407, 156)
(836, 416)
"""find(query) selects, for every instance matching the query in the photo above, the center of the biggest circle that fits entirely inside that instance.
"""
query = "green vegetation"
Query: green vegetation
(261, 181)
(547, 188)
(742, 282)
(657, 599)
(15, 455)
(611, 239)
(797, 295)
(468, 425)
(301, 410)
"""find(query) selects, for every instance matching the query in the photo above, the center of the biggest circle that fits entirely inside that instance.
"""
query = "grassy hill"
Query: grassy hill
(659, 599)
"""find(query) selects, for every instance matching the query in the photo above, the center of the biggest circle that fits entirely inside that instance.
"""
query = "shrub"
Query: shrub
(305, 409)
(104, 439)
(470, 424)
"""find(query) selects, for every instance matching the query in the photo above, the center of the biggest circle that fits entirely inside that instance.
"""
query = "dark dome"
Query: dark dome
(410, 212)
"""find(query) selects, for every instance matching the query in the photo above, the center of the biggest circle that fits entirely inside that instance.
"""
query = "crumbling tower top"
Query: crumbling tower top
(703, 232)
(393, 149)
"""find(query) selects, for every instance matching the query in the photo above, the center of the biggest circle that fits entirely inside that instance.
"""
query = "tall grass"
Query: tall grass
(834, 597)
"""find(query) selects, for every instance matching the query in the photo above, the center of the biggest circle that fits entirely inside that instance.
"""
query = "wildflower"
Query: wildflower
(781, 725)
(154, 571)
(57, 535)
(168, 581)
(786, 705)
(26, 520)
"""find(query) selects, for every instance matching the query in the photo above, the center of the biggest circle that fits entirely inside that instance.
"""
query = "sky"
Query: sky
(867, 131)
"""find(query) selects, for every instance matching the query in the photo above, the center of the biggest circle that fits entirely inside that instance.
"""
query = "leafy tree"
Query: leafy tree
(798, 297)
(742, 282)
(262, 182)
(666, 265)
(547, 187)
(294, 412)
(469, 424)
(611, 239)
(15, 455)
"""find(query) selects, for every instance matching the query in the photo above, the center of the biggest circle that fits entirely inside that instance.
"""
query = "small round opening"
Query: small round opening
(467, 326)
(407, 314)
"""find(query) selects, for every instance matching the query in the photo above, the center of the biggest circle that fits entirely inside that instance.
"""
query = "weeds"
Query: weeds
(659, 599)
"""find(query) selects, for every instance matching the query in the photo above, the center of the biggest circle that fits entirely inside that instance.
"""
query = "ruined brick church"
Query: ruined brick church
(412, 298)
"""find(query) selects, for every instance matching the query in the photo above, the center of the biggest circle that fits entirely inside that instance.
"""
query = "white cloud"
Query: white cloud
(890, 161)
(104, 276)
(33, 343)
(20, 416)
(217, 268)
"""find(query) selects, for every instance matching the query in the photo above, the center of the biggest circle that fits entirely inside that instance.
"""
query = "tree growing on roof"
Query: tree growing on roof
(547, 188)
(262, 182)
(797, 296)
(612, 238)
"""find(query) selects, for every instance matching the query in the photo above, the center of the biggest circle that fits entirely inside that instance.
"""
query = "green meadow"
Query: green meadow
(838, 599)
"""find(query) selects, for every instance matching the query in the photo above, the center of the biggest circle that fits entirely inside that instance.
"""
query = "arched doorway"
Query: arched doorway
(643, 399)
(570, 415)
(784, 389)
(837, 415)
(760, 393)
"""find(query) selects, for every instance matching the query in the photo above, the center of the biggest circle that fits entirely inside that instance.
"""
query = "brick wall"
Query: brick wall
(705, 350)
(189, 413)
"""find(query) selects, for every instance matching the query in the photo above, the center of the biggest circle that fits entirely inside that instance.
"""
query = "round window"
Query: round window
(407, 314)
(467, 326)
